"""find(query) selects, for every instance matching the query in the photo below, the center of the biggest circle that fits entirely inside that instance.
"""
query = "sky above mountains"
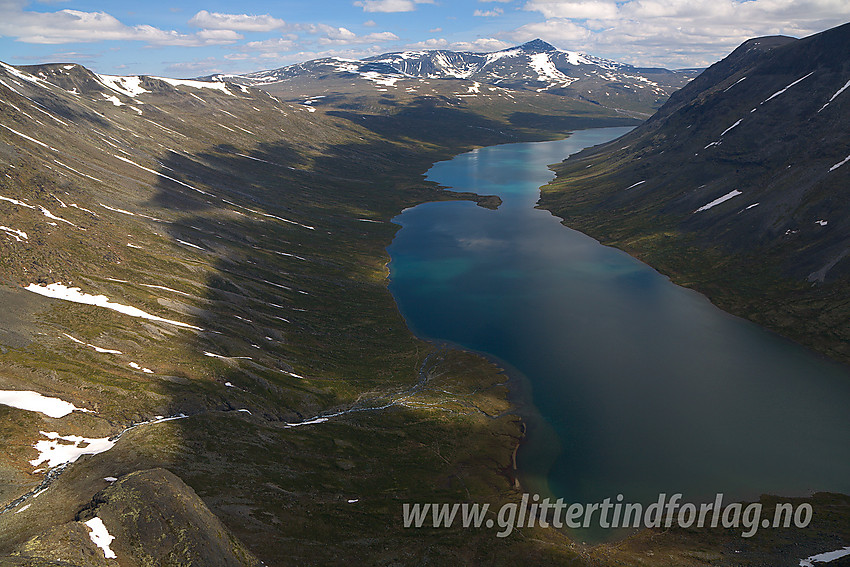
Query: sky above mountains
(198, 37)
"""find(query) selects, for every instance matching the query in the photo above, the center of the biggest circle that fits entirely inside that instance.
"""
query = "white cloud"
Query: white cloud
(74, 26)
(673, 33)
(194, 68)
(574, 10)
(488, 13)
(240, 22)
(370, 24)
(486, 45)
(276, 44)
(301, 56)
(380, 36)
(344, 36)
(225, 36)
(75, 56)
(390, 5)
(433, 43)
(559, 31)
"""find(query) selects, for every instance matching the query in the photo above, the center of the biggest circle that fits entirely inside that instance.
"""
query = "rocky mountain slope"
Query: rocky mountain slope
(193, 278)
(534, 68)
(738, 186)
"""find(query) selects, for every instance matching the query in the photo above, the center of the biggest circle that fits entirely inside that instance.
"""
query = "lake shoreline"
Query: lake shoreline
(452, 268)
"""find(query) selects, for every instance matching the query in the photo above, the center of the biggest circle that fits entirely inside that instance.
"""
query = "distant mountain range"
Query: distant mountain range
(535, 66)
(750, 162)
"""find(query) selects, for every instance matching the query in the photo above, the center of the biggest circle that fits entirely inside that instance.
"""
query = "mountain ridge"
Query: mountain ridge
(535, 66)
(758, 142)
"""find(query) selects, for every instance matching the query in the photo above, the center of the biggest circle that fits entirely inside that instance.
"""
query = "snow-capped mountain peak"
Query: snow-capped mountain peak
(535, 66)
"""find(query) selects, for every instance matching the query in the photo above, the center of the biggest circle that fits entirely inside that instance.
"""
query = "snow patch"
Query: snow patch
(158, 173)
(78, 173)
(113, 99)
(733, 84)
(215, 85)
(779, 92)
(21, 75)
(723, 199)
(189, 244)
(379, 79)
(546, 70)
(129, 86)
(16, 202)
(491, 57)
(65, 449)
(125, 212)
(576, 58)
(96, 348)
(18, 235)
(101, 537)
(635, 184)
(345, 66)
(213, 355)
(42, 144)
(269, 215)
(839, 164)
(308, 422)
(73, 294)
(841, 90)
(730, 127)
(824, 557)
(33, 401)
(117, 210)
(50, 215)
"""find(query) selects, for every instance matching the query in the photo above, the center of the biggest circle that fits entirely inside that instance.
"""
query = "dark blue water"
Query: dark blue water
(638, 386)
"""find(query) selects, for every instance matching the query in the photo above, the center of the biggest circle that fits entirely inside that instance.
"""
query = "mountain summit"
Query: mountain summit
(537, 46)
(535, 66)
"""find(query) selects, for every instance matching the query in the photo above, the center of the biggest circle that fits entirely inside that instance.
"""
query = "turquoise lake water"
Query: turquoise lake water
(630, 385)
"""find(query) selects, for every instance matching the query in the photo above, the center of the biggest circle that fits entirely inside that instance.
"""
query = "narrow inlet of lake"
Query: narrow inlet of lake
(638, 386)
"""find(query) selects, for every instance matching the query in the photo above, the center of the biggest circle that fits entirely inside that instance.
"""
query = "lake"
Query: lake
(629, 384)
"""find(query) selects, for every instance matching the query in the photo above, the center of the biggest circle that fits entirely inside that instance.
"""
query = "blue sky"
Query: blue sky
(193, 38)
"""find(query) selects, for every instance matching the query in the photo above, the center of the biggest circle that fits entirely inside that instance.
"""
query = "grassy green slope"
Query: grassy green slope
(263, 225)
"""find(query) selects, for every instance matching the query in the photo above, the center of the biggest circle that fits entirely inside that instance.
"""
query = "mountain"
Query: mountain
(199, 356)
(535, 67)
(193, 280)
(738, 186)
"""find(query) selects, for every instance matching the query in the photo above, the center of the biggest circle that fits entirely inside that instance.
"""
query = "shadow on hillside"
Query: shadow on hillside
(296, 300)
